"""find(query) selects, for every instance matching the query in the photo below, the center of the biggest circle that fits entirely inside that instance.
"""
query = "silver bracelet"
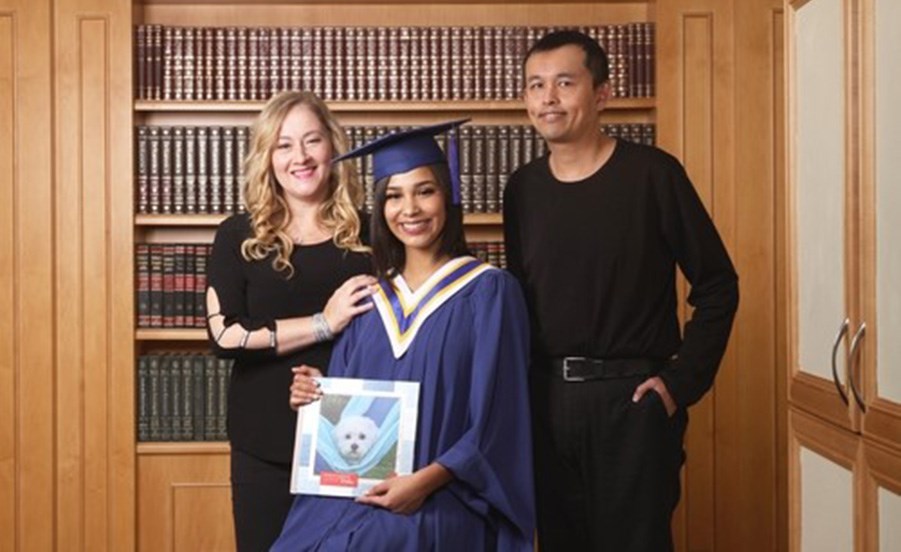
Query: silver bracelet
(321, 330)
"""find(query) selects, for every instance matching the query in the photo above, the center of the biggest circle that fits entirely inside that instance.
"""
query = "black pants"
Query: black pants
(260, 500)
(606, 469)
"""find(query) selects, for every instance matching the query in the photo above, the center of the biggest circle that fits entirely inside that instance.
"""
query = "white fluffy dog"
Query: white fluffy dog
(355, 436)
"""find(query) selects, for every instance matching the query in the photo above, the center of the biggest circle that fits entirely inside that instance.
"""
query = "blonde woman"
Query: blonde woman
(284, 279)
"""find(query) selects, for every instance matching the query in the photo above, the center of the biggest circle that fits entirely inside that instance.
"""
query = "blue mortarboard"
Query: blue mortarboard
(400, 152)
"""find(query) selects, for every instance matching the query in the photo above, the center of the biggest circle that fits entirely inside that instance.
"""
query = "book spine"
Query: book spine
(253, 64)
(153, 136)
(241, 41)
(466, 168)
(154, 397)
(229, 183)
(219, 54)
(175, 399)
(201, 253)
(165, 390)
(189, 80)
(328, 63)
(433, 56)
(178, 64)
(393, 64)
(166, 169)
(242, 142)
(478, 170)
(211, 429)
(492, 203)
(187, 398)
(232, 88)
(140, 80)
(189, 286)
(156, 286)
(446, 60)
(167, 63)
(296, 59)
(209, 63)
(143, 399)
(222, 374)
(178, 170)
(190, 170)
(179, 285)
(198, 407)
(263, 49)
(504, 167)
(168, 285)
(350, 62)
(416, 69)
(143, 147)
(381, 70)
(215, 174)
(284, 47)
(142, 272)
(203, 170)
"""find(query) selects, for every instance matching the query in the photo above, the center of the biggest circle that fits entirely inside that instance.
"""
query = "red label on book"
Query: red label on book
(339, 479)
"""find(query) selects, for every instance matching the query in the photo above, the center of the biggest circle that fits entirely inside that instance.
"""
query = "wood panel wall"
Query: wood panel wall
(27, 328)
(94, 352)
(719, 111)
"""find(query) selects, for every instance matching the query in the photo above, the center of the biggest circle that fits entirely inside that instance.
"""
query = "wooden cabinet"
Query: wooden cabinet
(844, 309)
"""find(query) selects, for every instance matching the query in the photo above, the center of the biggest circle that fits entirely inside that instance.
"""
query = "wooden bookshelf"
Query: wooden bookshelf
(196, 467)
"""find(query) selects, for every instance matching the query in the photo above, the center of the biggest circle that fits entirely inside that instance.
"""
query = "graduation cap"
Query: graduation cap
(404, 151)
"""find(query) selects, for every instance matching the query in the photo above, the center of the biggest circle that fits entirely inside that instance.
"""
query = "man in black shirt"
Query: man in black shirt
(594, 232)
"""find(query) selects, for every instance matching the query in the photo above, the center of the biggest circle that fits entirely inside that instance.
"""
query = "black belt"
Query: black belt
(575, 369)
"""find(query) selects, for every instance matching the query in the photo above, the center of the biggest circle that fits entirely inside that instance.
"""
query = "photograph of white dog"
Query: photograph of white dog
(354, 436)
(361, 432)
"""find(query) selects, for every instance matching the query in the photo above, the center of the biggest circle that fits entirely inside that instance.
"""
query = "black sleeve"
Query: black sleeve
(512, 243)
(226, 274)
(703, 259)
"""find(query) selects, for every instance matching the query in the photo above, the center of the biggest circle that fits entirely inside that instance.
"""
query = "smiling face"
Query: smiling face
(301, 159)
(415, 210)
(561, 99)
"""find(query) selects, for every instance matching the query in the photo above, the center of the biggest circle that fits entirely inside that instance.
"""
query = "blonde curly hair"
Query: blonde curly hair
(264, 198)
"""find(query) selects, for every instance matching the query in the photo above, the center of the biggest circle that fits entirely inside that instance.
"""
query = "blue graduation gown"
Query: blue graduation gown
(470, 356)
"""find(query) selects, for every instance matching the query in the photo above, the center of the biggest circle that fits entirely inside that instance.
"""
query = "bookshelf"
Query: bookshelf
(200, 469)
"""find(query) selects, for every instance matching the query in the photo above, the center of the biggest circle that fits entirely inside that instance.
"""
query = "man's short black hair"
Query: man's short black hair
(595, 56)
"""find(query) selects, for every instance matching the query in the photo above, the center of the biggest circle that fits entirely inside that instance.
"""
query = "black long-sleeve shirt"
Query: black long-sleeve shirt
(597, 260)
(252, 293)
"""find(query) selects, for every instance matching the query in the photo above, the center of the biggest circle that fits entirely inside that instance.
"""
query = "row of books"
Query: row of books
(366, 63)
(186, 169)
(172, 281)
(171, 284)
(182, 397)
(492, 252)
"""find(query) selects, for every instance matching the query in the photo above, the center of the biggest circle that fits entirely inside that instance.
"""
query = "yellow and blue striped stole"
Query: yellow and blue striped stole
(403, 312)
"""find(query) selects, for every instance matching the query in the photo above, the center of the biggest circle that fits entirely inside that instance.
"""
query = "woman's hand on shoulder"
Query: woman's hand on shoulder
(304, 389)
(348, 301)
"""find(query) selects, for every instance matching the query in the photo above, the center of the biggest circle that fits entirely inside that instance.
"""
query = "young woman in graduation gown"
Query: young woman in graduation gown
(459, 327)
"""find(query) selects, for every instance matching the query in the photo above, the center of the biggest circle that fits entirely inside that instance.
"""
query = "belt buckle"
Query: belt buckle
(566, 376)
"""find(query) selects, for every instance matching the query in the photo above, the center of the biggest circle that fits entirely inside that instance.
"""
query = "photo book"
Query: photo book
(358, 434)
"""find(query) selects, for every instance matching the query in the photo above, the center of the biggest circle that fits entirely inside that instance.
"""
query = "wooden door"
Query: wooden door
(821, 248)
(880, 352)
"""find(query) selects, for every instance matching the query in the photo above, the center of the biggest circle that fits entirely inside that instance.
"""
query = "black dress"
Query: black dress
(260, 421)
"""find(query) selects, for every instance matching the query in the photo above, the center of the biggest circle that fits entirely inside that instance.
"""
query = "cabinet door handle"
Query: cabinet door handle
(852, 356)
(838, 339)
